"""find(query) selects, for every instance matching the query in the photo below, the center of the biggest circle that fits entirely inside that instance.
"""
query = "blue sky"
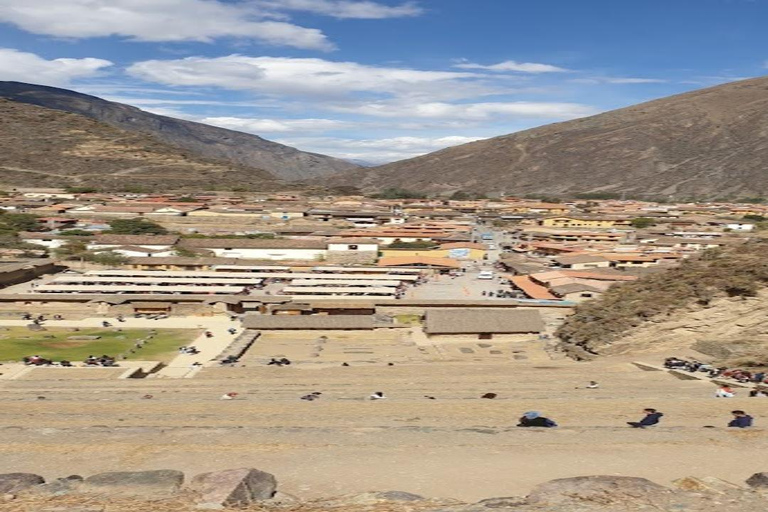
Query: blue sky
(381, 80)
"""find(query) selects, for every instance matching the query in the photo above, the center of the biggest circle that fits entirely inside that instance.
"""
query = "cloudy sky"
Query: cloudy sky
(381, 80)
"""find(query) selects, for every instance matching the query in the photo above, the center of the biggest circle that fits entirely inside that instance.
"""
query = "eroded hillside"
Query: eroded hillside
(45, 147)
(716, 304)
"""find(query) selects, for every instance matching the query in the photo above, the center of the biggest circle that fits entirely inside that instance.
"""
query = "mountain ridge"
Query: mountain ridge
(226, 146)
(706, 143)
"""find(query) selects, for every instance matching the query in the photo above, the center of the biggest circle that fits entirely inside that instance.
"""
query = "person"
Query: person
(535, 419)
(758, 377)
(489, 396)
(652, 417)
(106, 324)
(725, 391)
(208, 334)
(740, 420)
(593, 385)
(315, 395)
(229, 396)
(232, 330)
(377, 396)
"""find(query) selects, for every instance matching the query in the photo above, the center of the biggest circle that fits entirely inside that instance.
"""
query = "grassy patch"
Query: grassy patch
(408, 319)
(54, 343)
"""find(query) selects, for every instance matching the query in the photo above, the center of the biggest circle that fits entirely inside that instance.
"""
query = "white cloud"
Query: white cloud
(314, 77)
(511, 65)
(618, 80)
(376, 150)
(472, 111)
(28, 67)
(158, 20)
(259, 126)
(345, 8)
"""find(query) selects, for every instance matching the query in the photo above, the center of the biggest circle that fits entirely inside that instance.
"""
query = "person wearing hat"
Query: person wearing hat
(535, 419)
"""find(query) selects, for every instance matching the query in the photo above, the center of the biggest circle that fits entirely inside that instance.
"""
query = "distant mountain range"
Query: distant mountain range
(225, 147)
(710, 143)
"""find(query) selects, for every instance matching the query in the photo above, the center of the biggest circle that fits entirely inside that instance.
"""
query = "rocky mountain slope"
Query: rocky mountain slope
(209, 142)
(44, 147)
(703, 144)
(716, 304)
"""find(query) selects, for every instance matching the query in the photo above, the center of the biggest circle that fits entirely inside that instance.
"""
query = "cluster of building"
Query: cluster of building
(565, 251)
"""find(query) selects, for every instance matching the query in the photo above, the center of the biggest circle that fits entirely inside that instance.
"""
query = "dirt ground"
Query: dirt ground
(457, 445)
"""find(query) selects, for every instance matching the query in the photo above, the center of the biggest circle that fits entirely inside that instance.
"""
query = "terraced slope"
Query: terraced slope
(44, 147)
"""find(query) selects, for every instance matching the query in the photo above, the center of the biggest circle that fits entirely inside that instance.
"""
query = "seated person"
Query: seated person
(740, 420)
(378, 395)
(652, 417)
(725, 392)
(534, 419)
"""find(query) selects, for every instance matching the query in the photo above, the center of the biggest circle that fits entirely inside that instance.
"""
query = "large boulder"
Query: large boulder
(139, 484)
(14, 482)
(598, 489)
(758, 481)
(233, 487)
(59, 487)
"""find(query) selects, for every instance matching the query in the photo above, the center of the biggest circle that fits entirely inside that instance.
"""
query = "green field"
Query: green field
(53, 343)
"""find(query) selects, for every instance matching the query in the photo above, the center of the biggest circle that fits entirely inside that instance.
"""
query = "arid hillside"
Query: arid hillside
(228, 147)
(716, 304)
(46, 147)
(703, 144)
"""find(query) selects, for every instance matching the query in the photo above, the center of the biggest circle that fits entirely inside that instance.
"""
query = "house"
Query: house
(483, 324)
(573, 221)
(352, 251)
(260, 249)
(50, 240)
(151, 242)
(582, 261)
(443, 264)
(577, 292)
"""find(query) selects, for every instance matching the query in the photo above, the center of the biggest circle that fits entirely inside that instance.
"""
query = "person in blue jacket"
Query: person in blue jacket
(652, 417)
(740, 420)
(535, 419)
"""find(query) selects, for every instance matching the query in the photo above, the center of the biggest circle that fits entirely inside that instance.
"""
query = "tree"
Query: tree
(642, 222)
(419, 244)
(80, 190)
(72, 250)
(398, 193)
(108, 258)
(75, 232)
(12, 223)
(135, 226)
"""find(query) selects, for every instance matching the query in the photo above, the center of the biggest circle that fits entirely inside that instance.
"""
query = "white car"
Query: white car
(485, 274)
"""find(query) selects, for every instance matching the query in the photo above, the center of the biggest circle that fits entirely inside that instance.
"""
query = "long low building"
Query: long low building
(240, 275)
(339, 290)
(79, 279)
(119, 289)
(344, 282)
(308, 322)
(482, 323)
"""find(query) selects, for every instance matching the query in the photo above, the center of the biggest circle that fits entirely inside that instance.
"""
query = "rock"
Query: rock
(140, 484)
(280, 500)
(59, 487)
(398, 496)
(599, 489)
(758, 481)
(506, 502)
(706, 484)
(14, 482)
(233, 487)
